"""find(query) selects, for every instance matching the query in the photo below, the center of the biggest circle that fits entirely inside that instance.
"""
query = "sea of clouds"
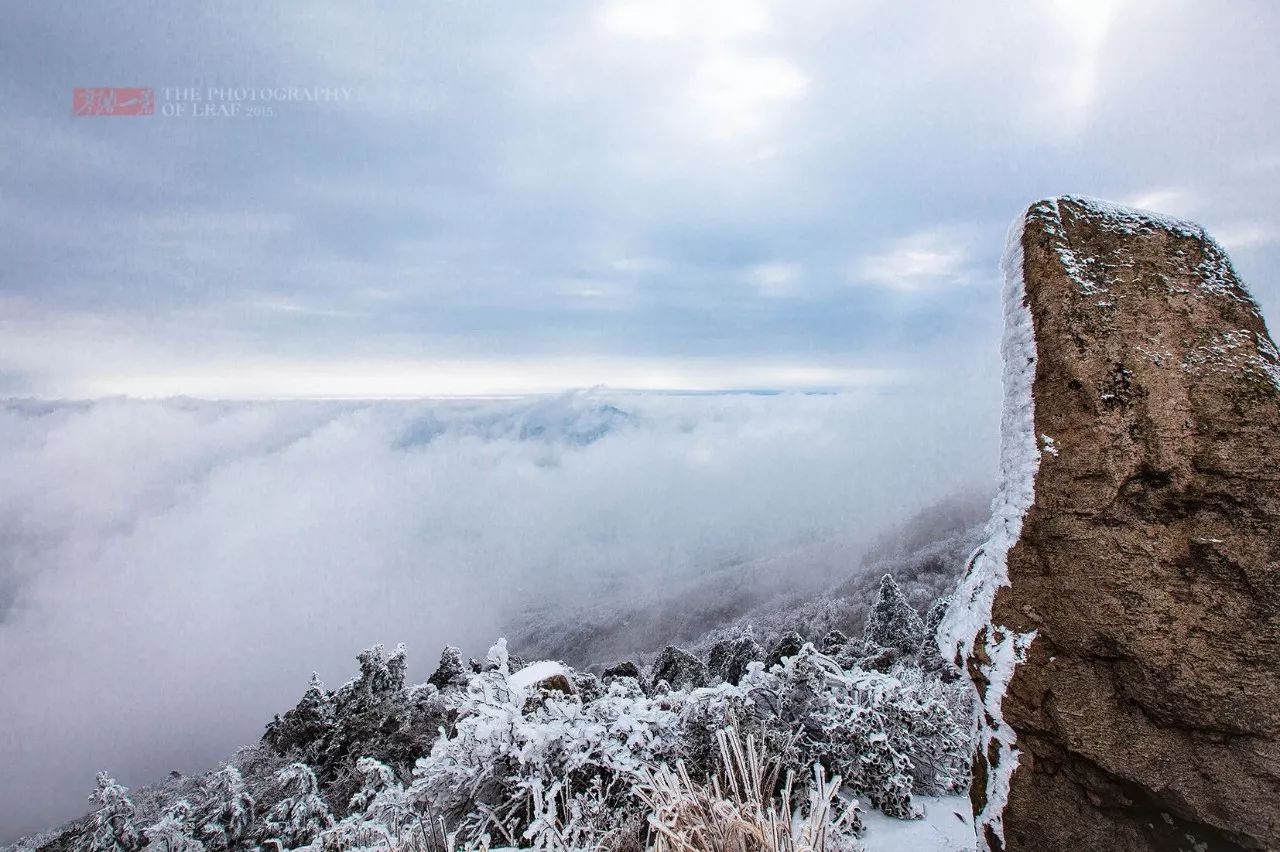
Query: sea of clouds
(172, 571)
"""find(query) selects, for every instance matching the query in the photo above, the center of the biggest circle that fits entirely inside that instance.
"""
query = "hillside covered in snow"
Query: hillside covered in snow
(500, 752)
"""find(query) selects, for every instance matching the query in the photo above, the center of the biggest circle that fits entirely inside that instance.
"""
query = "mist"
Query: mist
(174, 570)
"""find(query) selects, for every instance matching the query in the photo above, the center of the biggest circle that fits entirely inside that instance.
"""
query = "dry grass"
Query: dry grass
(741, 809)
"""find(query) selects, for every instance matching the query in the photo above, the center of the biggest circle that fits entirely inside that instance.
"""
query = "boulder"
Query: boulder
(833, 643)
(679, 668)
(1122, 625)
(624, 669)
(728, 659)
(788, 645)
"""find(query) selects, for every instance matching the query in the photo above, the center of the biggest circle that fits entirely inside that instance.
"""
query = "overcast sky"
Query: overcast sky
(539, 195)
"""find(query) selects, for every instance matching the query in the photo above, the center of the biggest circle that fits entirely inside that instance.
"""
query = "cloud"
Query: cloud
(174, 570)
(1246, 235)
(1086, 24)
(777, 279)
(922, 261)
(1172, 201)
(714, 20)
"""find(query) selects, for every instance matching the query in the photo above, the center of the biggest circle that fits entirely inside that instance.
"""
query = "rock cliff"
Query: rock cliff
(1122, 624)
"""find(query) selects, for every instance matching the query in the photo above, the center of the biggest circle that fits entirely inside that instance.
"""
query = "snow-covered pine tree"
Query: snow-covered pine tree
(302, 815)
(110, 827)
(305, 724)
(172, 832)
(451, 672)
(893, 623)
(931, 659)
(225, 819)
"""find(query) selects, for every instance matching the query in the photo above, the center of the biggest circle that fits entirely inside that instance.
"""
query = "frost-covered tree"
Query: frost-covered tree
(225, 819)
(382, 798)
(451, 671)
(302, 815)
(397, 663)
(173, 831)
(893, 623)
(379, 674)
(931, 659)
(110, 827)
(306, 724)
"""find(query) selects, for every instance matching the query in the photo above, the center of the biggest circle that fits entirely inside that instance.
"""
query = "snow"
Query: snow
(536, 673)
(946, 827)
(988, 567)
(1216, 274)
(1135, 220)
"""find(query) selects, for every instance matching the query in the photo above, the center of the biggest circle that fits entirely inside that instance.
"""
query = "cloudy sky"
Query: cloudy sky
(531, 196)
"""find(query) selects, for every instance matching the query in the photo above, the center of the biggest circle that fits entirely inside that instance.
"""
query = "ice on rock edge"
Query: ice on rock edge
(969, 619)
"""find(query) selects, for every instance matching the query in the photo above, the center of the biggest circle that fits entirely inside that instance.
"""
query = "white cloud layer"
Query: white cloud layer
(171, 572)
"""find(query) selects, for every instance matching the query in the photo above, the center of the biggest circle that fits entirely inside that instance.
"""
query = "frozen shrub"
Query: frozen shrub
(555, 773)
(587, 686)
(626, 668)
(833, 643)
(747, 804)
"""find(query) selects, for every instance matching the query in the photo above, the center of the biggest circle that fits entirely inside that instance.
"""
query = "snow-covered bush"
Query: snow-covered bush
(884, 735)
(541, 756)
(533, 766)
(225, 819)
(302, 815)
(173, 831)
(110, 827)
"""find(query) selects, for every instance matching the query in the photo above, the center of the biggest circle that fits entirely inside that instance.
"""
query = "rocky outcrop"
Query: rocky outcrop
(729, 659)
(678, 669)
(1136, 583)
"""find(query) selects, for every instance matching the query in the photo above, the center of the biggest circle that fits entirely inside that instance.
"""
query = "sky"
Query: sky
(502, 200)
(538, 196)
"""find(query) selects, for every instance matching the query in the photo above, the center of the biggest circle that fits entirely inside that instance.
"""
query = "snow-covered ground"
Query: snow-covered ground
(946, 827)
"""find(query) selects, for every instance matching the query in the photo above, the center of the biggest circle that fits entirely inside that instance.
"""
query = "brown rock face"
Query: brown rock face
(1147, 710)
